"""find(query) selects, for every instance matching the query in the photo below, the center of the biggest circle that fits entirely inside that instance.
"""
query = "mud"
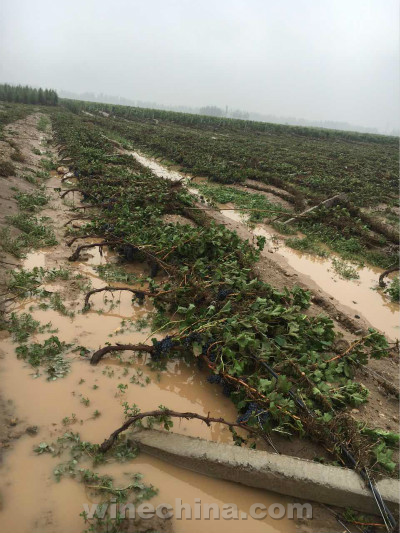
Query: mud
(361, 298)
(274, 268)
(362, 295)
(37, 402)
(32, 499)
(24, 137)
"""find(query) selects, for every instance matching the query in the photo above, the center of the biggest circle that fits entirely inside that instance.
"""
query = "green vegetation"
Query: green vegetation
(35, 233)
(24, 283)
(56, 303)
(393, 290)
(78, 451)
(228, 150)
(48, 164)
(43, 124)
(305, 165)
(10, 113)
(221, 315)
(23, 326)
(307, 244)
(344, 270)
(31, 201)
(49, 355)
(110, 272)
(19, 245)
(27, 95)
(256, 206)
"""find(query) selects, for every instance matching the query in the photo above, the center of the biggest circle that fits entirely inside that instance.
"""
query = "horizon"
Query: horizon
(291, 121)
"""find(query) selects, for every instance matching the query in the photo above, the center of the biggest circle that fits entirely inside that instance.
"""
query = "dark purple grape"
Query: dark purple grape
(162, 348)
(154, 270)
(191, 338)
(252, 409)
(128, 252)
(140, 297)
(211, 354)
(214, 378)
(223, 293)
(226, 388)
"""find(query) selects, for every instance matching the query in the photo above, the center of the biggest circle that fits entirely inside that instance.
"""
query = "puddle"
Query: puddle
(355, 294)
(157, 169)
(35, 259)
(50, 507)
(360, 294)
(55, 507)
(33, 502)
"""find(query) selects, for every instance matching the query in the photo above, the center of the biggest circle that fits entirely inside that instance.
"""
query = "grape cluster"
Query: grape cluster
(140, 297)
(128, 251)
(214, 378)
(226, 388)
(196, 337)
(154, 270)
(211, 354)
(262, 416)
(107, 228)
(253, 409)
(223, 293)
(162, 348)
(191, 338)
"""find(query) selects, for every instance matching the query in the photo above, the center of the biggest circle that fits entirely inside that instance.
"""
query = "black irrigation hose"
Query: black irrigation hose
(387, 516)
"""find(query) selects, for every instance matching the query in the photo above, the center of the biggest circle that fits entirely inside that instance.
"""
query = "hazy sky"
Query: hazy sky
(314, 59)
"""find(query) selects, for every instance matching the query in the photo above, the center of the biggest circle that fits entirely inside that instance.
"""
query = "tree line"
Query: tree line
(27, 95)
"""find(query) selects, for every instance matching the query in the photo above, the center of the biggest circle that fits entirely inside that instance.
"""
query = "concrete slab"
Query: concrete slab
(286, 475)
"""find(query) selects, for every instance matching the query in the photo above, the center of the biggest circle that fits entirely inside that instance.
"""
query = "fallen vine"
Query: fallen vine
(208, 420)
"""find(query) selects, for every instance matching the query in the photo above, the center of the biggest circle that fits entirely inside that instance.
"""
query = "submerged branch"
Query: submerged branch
(99, 354)
(137, 292)
(173, 414)
(386, 273)
(76, 238)
(77, 252)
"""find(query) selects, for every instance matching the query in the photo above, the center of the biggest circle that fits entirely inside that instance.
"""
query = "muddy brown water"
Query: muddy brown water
(33, 502)
(362, 296)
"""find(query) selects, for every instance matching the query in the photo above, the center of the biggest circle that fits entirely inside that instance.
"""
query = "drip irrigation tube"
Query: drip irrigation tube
(389, 521)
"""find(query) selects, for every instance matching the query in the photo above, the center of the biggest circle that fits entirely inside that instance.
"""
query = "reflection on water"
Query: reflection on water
(361, 294)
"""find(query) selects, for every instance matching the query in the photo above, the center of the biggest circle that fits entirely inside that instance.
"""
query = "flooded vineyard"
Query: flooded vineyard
(362, 295)
(128, 292)
(89, 401)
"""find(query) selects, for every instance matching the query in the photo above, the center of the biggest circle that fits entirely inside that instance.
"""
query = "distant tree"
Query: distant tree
(212, 111)
(27, 95)
(243, 115)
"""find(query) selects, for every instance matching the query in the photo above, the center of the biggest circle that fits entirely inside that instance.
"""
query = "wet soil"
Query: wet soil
(281, 266)
(41, 410)
(24, 138)
(363, 296)
(27, 481)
